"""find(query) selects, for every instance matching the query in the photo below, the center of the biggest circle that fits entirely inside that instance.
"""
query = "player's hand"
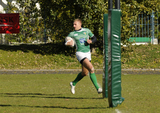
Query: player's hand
(69, 43)
(89, 41)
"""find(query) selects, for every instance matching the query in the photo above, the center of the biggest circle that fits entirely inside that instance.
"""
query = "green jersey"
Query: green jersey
(80, 37)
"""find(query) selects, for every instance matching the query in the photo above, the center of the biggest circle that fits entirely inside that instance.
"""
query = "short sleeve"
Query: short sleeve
(70, 35)
(90, 33)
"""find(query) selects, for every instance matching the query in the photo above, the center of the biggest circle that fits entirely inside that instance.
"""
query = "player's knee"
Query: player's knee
(84, 73)
(92, 70)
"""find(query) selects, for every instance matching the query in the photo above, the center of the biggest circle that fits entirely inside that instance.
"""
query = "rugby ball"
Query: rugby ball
(68, 39)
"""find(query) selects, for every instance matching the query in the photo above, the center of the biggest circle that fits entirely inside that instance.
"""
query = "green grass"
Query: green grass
(50, 93)
(52, 56)
(142, 56)
(43, 56)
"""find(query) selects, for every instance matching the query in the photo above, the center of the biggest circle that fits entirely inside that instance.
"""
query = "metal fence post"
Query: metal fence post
(152, 27)
(157, 26)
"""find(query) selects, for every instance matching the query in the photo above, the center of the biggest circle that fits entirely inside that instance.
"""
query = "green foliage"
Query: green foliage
(130, 11)
(91, 12)
(58, 15)
(31, 23)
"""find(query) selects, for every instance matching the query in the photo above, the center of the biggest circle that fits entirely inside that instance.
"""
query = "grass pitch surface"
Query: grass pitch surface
(38, 93)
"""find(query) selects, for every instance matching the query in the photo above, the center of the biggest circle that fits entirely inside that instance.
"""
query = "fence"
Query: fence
(146, 28)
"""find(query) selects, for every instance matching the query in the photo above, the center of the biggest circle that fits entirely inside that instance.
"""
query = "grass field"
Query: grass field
(38, 93)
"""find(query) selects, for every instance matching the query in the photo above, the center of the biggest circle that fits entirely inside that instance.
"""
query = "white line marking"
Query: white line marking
(117, 111)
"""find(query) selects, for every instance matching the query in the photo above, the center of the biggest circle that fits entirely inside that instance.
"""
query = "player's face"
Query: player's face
(76, 25)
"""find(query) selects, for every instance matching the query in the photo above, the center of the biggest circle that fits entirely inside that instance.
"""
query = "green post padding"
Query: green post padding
(140, 39)
(105, 56)
(114, 66)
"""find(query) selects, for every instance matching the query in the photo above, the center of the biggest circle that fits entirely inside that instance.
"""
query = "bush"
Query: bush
(58, 15)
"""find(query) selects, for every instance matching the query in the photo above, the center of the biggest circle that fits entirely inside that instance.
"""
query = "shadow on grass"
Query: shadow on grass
(40, 95)
(23, 94)
(44, 49)
(63, 107)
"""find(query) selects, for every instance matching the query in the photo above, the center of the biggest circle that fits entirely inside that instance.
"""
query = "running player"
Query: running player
(81, 37)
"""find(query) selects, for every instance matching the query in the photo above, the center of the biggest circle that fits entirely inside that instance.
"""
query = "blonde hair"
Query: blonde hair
(79, 20)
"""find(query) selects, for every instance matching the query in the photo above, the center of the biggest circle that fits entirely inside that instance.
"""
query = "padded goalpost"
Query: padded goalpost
(112, 55)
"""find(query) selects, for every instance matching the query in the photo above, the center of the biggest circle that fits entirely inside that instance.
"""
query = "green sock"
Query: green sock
(94, 80)
(77, 79)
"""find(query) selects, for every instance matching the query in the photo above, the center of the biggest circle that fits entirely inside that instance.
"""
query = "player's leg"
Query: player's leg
(80, 75)
(88, 65)
(76, 80)
(84, 71)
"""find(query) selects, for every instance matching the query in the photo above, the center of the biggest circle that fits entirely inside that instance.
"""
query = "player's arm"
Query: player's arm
(93, 40)
(69, 41)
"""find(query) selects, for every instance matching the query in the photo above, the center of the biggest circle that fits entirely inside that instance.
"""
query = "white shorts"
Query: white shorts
(80, 56)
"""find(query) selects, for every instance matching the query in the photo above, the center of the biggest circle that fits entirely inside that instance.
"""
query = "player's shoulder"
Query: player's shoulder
(85, 29)
(71, 33)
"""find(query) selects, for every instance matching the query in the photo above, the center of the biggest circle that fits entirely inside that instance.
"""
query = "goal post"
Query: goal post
(112, 56)
(105, 56)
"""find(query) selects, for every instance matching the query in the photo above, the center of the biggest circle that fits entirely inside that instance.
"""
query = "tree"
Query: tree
(58, 15)
(31, 23)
